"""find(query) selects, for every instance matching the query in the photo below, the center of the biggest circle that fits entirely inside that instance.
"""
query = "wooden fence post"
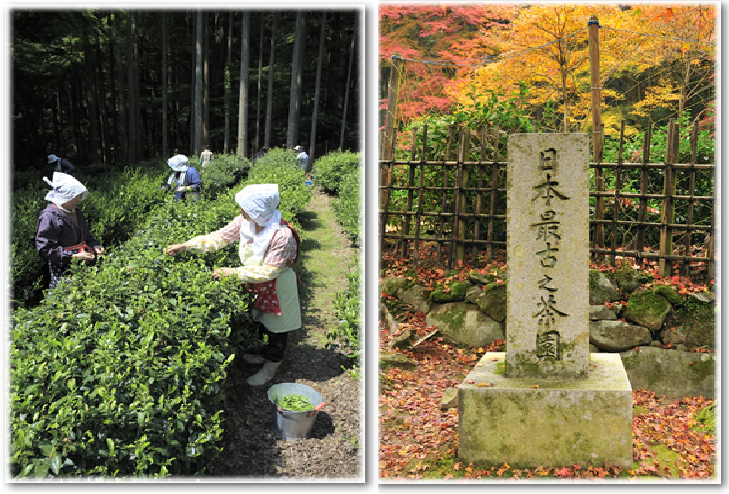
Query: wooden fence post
(617, 205)
(460, 195)
(409, 205)
(691, 191)
(669, 190)
(593, 26)
(643, 204)
(416, 243)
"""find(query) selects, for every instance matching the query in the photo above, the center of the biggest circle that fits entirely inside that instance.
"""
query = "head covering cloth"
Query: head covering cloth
(52, 158)
(260, 202)
(178, 163)
(65, 188)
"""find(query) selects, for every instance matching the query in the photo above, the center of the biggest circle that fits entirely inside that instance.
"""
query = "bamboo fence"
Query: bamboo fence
(465, 211)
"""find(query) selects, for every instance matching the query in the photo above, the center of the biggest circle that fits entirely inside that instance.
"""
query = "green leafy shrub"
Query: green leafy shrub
(278, 166)
(330, 169)
(120, 370)
(224, 171)
(348, 307)
(347, 205)
(115, 206)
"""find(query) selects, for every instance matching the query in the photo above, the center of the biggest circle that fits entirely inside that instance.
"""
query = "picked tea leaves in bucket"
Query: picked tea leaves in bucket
(295, 403)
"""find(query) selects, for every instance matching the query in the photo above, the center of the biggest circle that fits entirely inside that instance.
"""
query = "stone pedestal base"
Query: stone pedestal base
(528, 422)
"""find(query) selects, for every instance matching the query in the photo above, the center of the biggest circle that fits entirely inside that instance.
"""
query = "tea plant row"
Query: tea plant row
(120, 371)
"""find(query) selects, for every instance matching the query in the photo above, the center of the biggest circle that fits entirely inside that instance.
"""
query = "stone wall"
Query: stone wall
(653, 331)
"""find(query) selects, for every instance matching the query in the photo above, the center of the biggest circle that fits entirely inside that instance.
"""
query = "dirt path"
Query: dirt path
(250, 448)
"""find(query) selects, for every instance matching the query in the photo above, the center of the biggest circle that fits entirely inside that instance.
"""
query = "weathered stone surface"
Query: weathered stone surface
(454, 292)
(480, 278)
(492, 301)
(391, 285)
(547, 254)
(450, 399)
(602, 289)
(528, 422)
(403, 340)
(648, 309)
(465, 324)
(618, 336)
(387, 319)
(691, 324)
(601, 313)
(395, 360)
(628, 279)
(473, 293)
(670, 372)
(417, 296)
(702, 297)
(669, 293)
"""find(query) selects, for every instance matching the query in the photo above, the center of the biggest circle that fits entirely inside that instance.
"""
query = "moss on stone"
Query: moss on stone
(669, 293)
(695, 320)
(648, 309)
(493, 301)
(454, 318)
(456, 292)
(627, 278)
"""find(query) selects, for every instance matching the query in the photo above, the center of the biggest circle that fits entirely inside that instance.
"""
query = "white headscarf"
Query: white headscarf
(65, 188)
(178, 163)
(260, 202)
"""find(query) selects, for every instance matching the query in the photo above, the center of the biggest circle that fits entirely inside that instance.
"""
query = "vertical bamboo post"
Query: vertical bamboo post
(493, 196)
(460, 198)
(667, 215)
(691, 191)
(643, 206)
(411, 185)
(416, 243)
(593, 26)
(617, 205)
(393, 90)
(387, 191)
(479, 196)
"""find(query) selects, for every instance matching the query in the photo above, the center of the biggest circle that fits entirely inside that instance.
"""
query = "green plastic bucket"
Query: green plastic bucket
(288, 424)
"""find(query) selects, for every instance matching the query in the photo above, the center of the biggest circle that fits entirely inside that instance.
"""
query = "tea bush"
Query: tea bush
(346, 335)
(329, 170)
(279, 166)
(115, 205)
(347, 205)
(224, 171)
(120, 370)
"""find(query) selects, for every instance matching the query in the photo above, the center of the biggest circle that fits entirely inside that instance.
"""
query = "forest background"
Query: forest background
(656, 62)
(91, 85)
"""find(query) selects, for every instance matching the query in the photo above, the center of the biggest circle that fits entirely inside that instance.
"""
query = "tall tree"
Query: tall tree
(243, 91)
(92, 112)
(317, 87)
(346, 89)
(197, 121)
(226, 84)
(292, 134)
(269, 97)
(164, 84)
(132, 114)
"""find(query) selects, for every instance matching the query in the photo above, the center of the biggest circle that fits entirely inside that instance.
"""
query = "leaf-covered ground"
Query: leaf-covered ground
(418, 440)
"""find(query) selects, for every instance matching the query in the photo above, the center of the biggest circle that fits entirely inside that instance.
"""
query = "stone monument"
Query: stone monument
(547, 401)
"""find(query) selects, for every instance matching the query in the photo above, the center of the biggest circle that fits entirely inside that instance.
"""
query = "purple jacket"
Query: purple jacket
(56, 232)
